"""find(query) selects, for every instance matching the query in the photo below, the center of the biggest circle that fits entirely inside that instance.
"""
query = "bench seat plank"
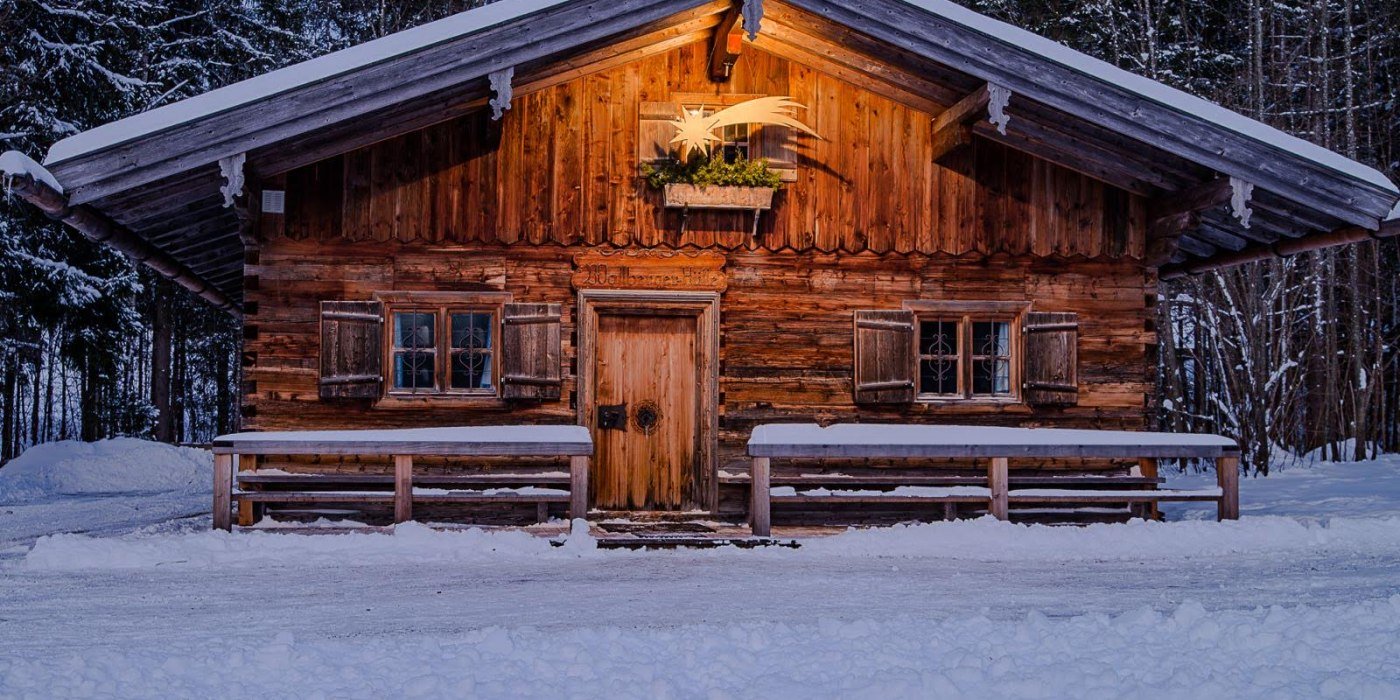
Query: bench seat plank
(1072, 496)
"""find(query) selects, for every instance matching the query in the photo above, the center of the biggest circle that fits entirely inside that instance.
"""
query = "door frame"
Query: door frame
(704, 484)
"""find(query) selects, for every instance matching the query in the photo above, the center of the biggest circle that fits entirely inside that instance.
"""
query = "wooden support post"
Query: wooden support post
(578, 487)
(248, 512)
(223, 492)
(950, 511)
(760, 517)
(1227, 474)
(998, 481)
(1147, 467)
(541, 512)
(403, 488)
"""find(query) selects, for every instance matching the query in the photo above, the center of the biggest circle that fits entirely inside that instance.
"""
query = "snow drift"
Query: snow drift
(118, 465)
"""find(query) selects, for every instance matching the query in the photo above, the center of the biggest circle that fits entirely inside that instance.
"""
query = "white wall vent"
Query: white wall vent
(274, 201)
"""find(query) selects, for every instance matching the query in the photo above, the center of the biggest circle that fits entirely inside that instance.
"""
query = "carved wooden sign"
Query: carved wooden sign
(650, 269)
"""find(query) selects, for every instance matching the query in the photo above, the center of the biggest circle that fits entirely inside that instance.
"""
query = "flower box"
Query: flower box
(684, 196)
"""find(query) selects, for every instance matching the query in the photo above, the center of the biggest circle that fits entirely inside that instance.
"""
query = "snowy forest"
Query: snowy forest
(1292, 357)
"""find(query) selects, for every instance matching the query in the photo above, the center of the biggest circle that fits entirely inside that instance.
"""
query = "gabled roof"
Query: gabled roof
(156, 173)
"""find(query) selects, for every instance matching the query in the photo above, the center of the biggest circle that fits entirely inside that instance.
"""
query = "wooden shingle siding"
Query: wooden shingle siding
(562, 168)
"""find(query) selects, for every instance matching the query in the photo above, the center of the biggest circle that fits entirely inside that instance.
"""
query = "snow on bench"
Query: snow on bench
(894, 441)
(570, 441)
(490, 440)
(996, 444)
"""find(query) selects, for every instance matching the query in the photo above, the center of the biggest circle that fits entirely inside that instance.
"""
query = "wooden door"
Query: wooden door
(646, 402)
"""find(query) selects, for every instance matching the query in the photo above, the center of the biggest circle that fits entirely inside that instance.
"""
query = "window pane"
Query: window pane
(471, 331)
(938, 338)
(938, 376)
(991, 377)
(413, 370)
(414, 330)
(991, 338)
(471, 370)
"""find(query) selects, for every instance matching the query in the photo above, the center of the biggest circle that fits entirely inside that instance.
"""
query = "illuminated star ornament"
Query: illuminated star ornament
(695, 130)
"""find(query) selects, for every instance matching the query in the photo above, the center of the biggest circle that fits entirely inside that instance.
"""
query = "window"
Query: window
(966, 350)
(442, 344)
(734, 138)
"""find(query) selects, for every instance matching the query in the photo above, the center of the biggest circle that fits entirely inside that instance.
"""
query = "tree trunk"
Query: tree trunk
(162, 335)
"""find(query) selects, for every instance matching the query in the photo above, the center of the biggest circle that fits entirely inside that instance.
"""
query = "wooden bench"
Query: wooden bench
(405, 489)
(997, 446)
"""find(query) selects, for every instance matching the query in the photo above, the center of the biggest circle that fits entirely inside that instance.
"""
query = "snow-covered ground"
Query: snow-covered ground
(1301, 598)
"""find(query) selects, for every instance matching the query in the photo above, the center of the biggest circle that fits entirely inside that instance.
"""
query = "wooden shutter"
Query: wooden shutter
(531, 352)
(656, 128)
(884, 357)
(352, 349)
(1051, 358)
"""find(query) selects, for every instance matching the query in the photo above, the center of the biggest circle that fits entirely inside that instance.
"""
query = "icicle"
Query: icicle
(752, 12)
(1241, 193)
(232, 170)
(999, 98)
(500, 84)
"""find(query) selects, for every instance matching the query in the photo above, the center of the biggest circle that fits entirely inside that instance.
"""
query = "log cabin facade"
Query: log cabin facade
(459, 232)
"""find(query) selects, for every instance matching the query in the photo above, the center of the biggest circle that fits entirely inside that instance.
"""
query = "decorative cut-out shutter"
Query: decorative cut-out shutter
(884, 357)
(352, 349)
(531, 352)
(1052, 358)
(655, 131)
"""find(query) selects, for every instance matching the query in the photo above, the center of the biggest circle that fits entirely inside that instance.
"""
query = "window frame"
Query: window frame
(442, 305)
(965, 314)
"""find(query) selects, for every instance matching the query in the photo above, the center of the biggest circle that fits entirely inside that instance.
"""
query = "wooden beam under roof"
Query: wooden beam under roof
(101, 229)
(1282, 249)
(952, 128)
(727, 44)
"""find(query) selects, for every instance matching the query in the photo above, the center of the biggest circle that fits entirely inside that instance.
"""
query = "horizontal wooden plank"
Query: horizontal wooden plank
(1113, 497)
(429, 480)
(875, 500)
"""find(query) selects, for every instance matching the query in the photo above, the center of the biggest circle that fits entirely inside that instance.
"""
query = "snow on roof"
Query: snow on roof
(14, 164)
(294, 76)
(811, 434)
(1153, 90)
(347, 60)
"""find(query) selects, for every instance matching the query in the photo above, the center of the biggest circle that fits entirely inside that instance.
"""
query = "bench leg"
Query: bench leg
(1147, 467)
(403, 488)
(248, 512)
(578, 487)
(1227, 474)
(541, 512)
(760, 513)
(998, 481)
(950, 511)
(223, 492)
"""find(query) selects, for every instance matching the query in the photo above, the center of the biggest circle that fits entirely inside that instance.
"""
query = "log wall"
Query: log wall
(785, 343)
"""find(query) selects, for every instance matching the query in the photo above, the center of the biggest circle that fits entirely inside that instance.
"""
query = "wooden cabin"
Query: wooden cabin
(452, 226)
